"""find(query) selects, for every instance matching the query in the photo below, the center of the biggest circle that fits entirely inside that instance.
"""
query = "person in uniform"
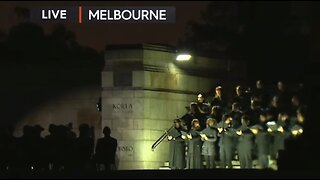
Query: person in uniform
(209, 137)
(203, 111)
(194, 158)
(236, 114)
(262, 141)
(260, 94)
(241, 99)
(245, 143)
(226, 141)
(177, 137)
(279, 135)
(193, 111)
(283, 97)
(219, 102)
(254, 113)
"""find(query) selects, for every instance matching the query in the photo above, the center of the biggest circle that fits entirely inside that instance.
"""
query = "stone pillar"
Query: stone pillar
(144, 89)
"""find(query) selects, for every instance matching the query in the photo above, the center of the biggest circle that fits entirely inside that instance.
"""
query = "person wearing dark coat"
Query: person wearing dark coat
(283, 97)
(241, 99)
(219, 101)
(177, 136)
(39, 163)
(204, 110)
(254, 113)
(190, 115)
(209, 138)
(245, 143)
(279, 135)
(215, 114)
(226, 141)
(83, 149)
(236, 115)
(260, 93)
(194, 158)
(105, 152)
(262, 141)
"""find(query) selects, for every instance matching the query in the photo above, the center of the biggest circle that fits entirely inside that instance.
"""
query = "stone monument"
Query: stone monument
(144, 88)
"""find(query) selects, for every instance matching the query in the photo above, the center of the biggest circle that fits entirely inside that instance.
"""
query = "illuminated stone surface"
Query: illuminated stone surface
(161, 88)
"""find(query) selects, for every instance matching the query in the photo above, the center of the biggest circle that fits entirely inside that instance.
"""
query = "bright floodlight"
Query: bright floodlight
(183, 57)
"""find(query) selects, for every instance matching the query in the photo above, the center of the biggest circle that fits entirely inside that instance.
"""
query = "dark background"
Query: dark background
(278, 40)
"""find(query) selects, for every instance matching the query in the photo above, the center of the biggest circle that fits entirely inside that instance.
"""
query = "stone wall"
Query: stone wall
(155, 90)
(77, 106)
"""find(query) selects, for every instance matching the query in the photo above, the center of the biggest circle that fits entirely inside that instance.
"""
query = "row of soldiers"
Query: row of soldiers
(61, 150)
(252, 129)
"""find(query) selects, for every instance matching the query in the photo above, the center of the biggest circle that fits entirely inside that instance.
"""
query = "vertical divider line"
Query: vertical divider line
(80, 14)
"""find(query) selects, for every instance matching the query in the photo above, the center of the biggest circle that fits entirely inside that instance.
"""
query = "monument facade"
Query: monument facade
(144, 89)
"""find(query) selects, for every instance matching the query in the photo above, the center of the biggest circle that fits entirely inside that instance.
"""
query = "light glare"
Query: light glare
(183, 57)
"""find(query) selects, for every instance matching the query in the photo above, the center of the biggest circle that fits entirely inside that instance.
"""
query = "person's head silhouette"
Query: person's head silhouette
(106, 131)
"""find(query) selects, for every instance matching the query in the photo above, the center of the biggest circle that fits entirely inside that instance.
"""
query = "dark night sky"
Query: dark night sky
(100, 34)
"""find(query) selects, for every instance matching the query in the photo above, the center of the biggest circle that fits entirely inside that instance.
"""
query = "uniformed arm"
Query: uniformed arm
(213, 137)
(183, 135)
(176, 135)
(192, 134)
(230, 132)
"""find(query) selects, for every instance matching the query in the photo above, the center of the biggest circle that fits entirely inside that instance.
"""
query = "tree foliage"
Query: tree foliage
(270, 36)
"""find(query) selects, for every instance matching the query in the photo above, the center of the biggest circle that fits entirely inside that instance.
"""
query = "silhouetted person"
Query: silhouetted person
(71, 135)
(38, 151)
(25, 149)
(82, 149)
(52, 148)
(11, 153)
(106, 150)
(7, 148)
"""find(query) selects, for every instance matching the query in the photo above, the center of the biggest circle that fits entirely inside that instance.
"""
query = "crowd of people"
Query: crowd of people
(253, 125)
(60, 151)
